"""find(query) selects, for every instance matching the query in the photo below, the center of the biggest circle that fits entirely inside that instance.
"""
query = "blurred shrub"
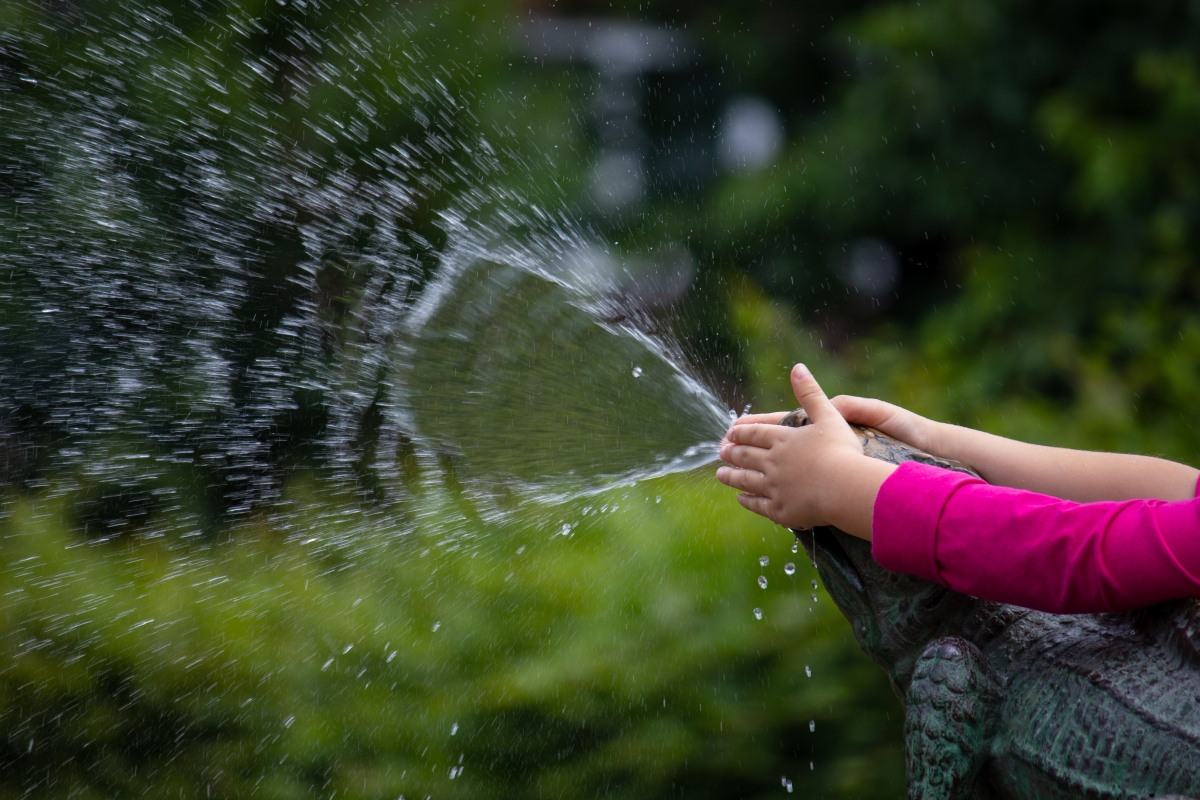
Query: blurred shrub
(460, 658)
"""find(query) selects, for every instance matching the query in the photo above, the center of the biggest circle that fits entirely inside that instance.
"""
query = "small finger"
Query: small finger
(755, 434)
(748, 480)
(745, 456)
(757, 503)
(761, 419)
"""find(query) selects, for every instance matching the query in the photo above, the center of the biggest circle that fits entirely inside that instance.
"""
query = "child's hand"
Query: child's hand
(803, 477)
(898, 423)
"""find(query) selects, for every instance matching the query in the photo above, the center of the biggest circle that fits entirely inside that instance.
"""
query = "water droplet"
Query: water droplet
(783, 780)
(763, 560)
(762, 581)
(814, 598)
(795, 545)
(810, 766)
(812, 726)
(814, 584)
(789, 568)
(287, 723)
(436, 625)
(758, 613)
(807, 671)
(637, 372)
(658, 498)
(789, 787)
(454, 729)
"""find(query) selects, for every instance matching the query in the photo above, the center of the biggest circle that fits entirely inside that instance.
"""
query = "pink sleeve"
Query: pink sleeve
(1033, 550)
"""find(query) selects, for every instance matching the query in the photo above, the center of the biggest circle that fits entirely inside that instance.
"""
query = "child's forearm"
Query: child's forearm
(1078, 475)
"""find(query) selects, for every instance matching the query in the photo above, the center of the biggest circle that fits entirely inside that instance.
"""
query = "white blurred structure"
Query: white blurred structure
(618, 178)
(871, 268)
(750, 136)
(620, 52)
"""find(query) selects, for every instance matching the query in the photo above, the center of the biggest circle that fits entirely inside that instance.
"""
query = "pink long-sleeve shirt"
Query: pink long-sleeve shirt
(1033, 550)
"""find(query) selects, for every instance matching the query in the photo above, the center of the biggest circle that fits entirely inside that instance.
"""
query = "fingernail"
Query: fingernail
(722, 472)
(802, 371)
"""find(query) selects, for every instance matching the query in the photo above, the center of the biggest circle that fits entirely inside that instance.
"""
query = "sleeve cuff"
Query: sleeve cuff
(905, 519)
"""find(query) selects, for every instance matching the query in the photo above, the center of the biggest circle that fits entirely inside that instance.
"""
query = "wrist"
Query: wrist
(942, 439)
(850, 504)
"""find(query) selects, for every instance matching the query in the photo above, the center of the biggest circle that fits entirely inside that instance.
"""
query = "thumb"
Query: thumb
(812, 398)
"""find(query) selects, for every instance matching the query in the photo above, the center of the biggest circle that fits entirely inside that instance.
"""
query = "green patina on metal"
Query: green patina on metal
(1004, 702)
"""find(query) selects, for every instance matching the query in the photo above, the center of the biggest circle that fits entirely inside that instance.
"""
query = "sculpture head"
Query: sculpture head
(893, 615)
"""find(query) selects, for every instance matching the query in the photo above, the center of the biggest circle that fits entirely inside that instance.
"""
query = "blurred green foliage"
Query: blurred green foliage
(1032, 164)
(621, 659)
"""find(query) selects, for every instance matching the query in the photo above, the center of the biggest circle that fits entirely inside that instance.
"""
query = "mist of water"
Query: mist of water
(220, 270)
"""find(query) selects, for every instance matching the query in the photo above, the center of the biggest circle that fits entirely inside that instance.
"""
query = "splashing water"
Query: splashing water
(512, 367)
(277, 323)
(185, 286)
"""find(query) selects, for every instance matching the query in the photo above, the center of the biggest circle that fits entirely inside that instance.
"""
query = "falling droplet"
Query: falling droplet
(814, 598)
(762, 581)
(810, 766)
(807, 671)
(789, 568)
(812, 726)
(764, 560)
(637, 372)
(783, 780)
(795, 545)
(789, 787)
(658, 498)
(436, 625)
(814, 584)
(758, 613)
(454, 729)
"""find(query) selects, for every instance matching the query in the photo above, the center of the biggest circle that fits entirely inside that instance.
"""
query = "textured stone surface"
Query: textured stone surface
(1003, 702)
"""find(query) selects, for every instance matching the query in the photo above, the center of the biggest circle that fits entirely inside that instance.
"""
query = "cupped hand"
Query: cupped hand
(802, 477)
(897, 422)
